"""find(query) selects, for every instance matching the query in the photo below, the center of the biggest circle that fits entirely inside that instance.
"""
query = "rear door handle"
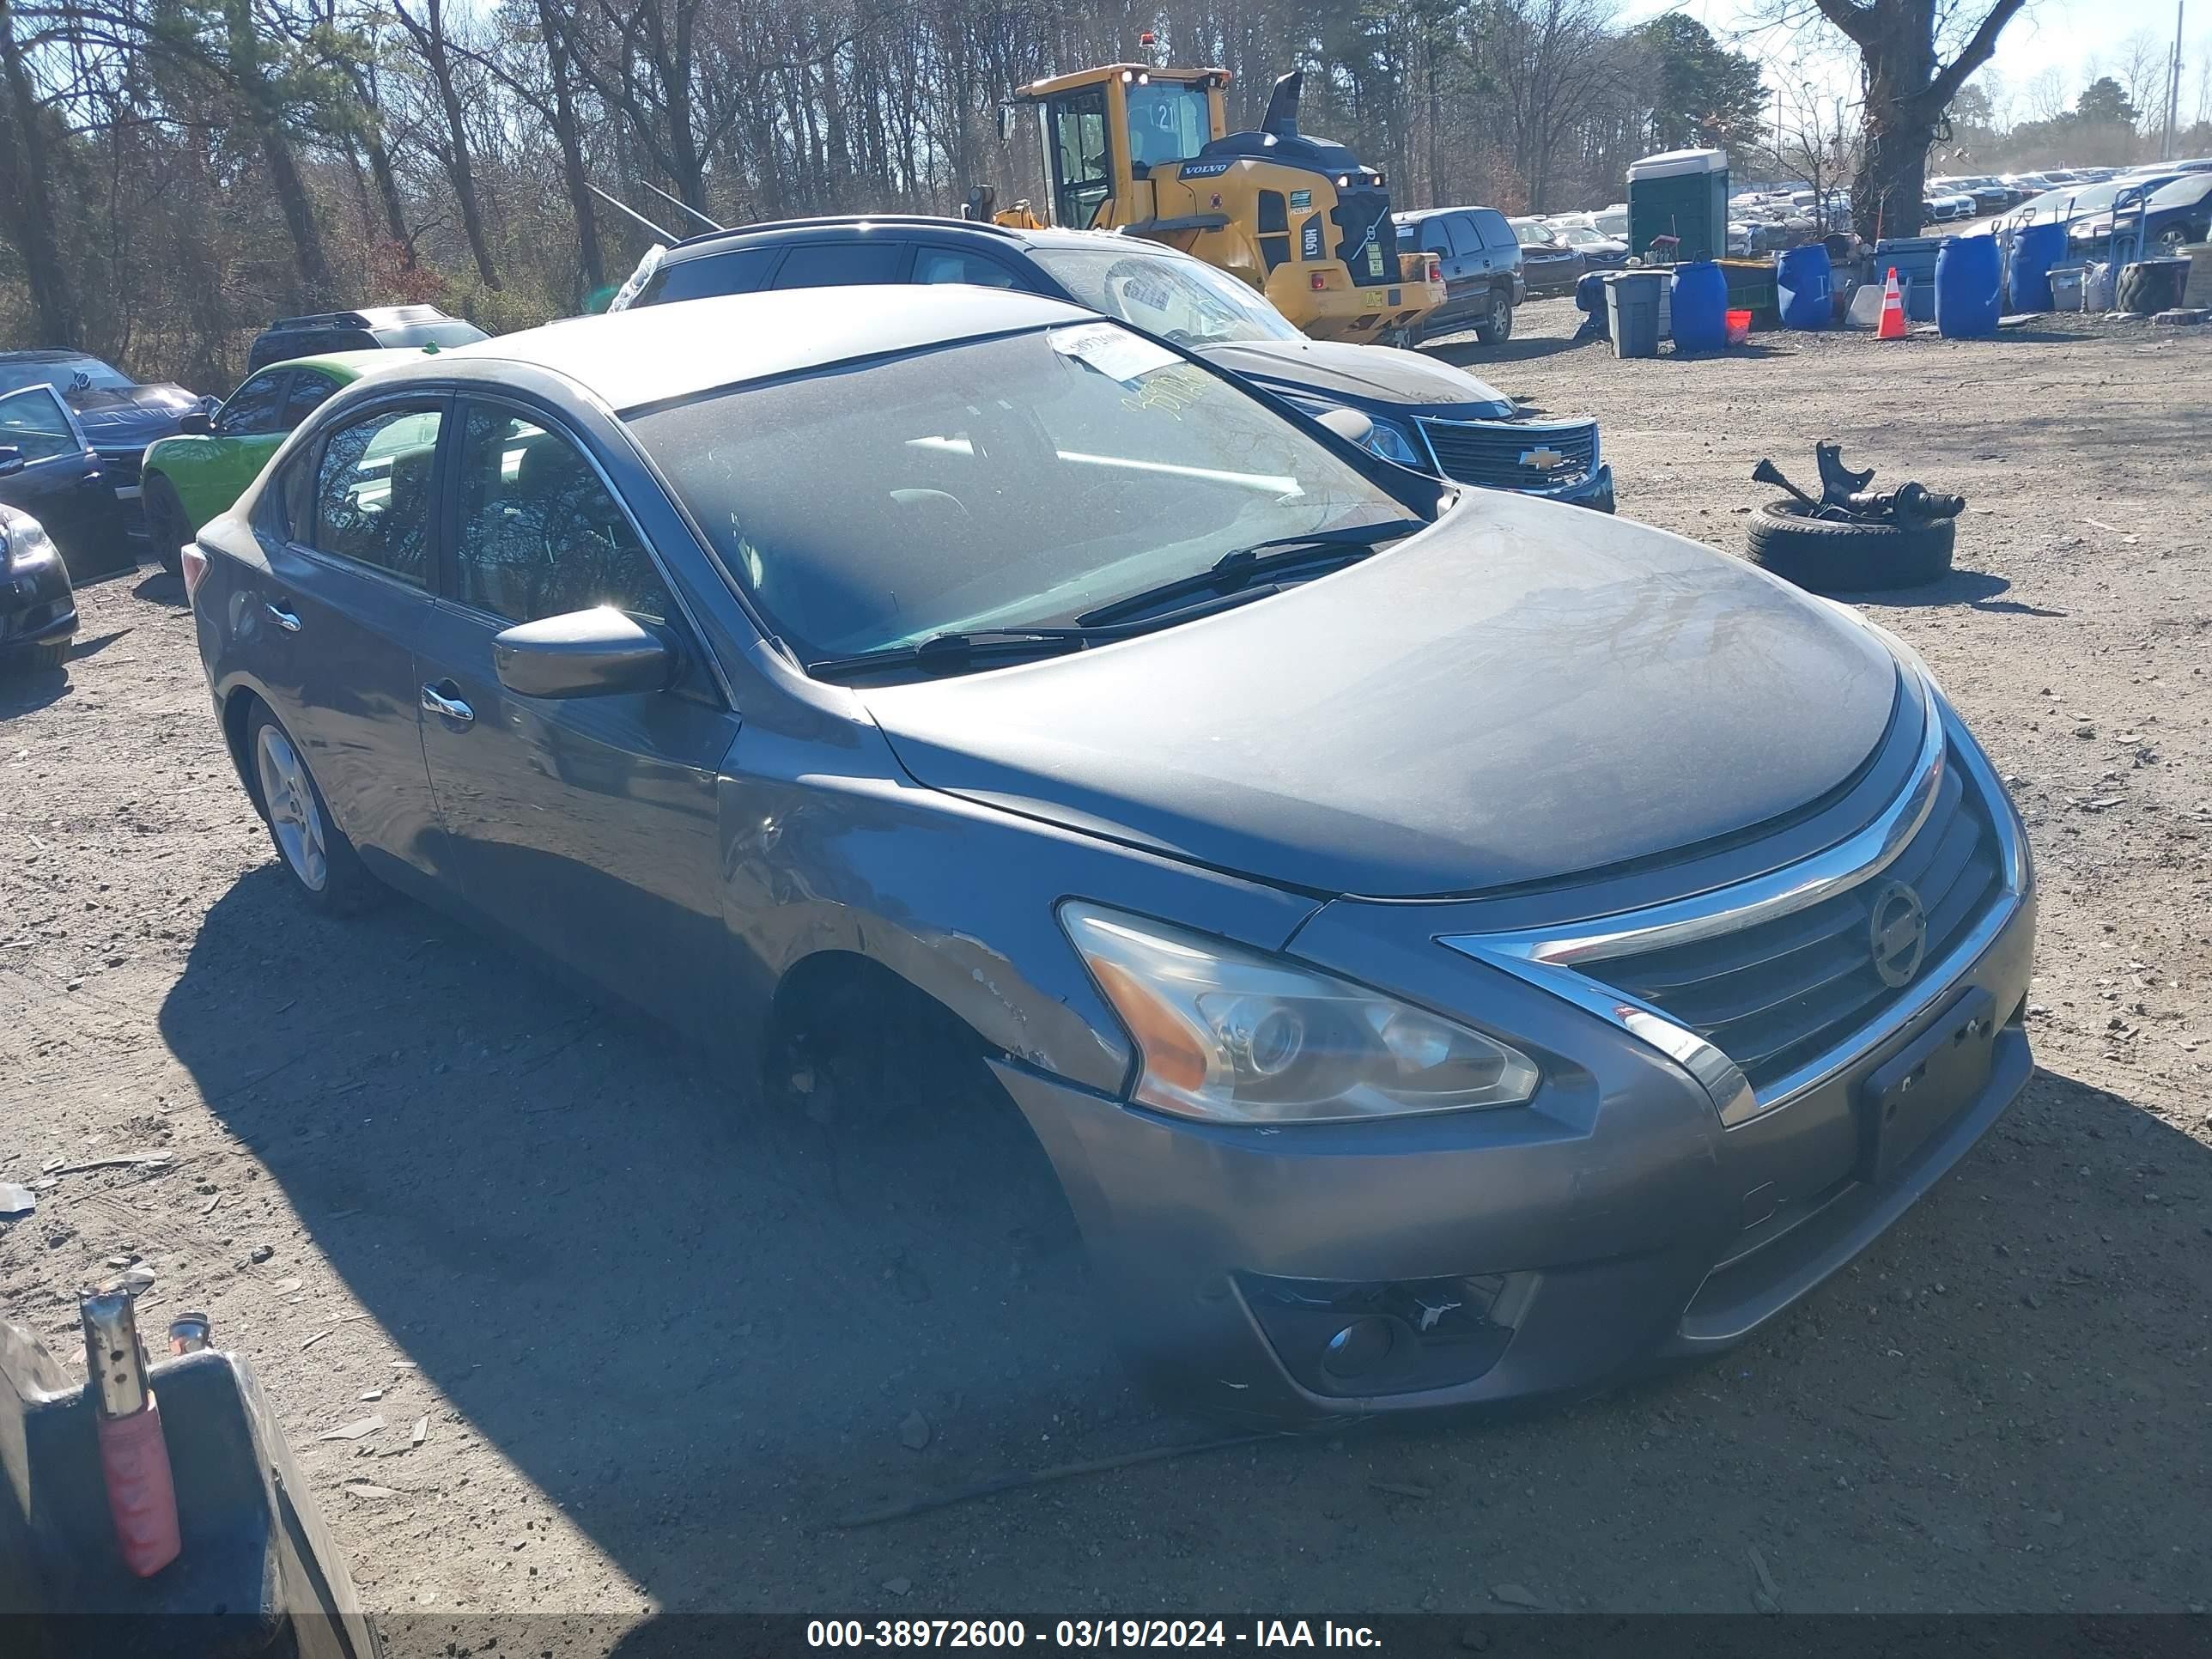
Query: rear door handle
(283, 618)
(435, 702)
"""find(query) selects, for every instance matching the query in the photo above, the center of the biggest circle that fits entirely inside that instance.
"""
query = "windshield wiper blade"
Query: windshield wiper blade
(1232, 570)
(952, 649)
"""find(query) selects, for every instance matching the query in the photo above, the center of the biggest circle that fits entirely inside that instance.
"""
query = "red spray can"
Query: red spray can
(134, 1458)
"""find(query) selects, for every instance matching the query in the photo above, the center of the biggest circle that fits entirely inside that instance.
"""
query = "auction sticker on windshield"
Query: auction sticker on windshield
(1113, 352)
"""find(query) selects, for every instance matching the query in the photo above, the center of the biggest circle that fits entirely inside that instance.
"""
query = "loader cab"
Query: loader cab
(1146, 151)
(1105, 130)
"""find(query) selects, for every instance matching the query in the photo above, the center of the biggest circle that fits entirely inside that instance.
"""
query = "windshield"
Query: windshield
(1180, 300)
(1010, 482)
(1169, 121)
(1531, 234)
(62, 373)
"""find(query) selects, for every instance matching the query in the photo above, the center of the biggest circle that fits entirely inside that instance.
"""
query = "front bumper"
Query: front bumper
(1364, 312)
(37, 607)
(1614, 1222)
(1594, 491)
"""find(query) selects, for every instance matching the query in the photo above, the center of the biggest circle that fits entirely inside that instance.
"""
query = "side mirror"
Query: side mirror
(11, 459)
(582, 653)
(1348, 424)
(197, 423)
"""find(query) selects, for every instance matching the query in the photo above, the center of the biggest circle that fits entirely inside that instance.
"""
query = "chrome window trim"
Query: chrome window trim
(1546, 958)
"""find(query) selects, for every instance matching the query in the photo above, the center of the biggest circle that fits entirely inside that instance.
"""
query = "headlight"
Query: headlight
(1235, 1037)
(25, 544)
(1387, 439)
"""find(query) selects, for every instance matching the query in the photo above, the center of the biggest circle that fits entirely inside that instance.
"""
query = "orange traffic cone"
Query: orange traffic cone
(1892, 310)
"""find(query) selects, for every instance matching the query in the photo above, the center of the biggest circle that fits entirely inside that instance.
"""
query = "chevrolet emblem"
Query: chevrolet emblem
(1544, 458)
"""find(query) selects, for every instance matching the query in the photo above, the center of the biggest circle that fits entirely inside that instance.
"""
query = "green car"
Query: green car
(196, 476)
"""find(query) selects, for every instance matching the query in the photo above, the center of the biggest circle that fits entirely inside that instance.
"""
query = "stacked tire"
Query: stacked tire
(1835, 556)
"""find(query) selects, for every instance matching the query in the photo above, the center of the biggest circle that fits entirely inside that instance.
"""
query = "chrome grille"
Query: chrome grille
(1778, 993)
(1513, 455)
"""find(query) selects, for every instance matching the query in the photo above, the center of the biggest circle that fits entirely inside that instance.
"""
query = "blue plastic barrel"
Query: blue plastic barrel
(1700, 307)
(1969, 287)
(2035, 249)
(1802, 279)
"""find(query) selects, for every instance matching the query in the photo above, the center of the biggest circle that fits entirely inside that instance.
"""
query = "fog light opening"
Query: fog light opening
(1360, 1349)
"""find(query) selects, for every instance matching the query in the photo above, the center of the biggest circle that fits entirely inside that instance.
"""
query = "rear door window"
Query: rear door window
(1467, 240)
(257, 407)
(373, 492)
(838, 264)
(310, 390)
(1495, 232)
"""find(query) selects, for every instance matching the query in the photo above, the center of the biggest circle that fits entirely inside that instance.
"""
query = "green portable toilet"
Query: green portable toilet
(1682, 193)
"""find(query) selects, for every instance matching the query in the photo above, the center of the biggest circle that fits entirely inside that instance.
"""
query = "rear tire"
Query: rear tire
(166, 526)
(46, 658)
(1830, 557)
(325, 869)
(1497, 327)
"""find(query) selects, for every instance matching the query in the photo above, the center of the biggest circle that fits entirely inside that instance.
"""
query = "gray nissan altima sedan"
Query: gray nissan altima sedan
(1450, 946)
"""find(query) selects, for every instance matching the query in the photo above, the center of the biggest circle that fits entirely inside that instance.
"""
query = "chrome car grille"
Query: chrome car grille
(1778, 993)
(1513, 455)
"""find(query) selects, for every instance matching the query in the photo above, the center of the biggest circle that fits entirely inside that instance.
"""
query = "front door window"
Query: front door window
(33, 423)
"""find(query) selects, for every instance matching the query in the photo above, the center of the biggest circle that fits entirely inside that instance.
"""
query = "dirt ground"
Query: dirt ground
(640, 1345)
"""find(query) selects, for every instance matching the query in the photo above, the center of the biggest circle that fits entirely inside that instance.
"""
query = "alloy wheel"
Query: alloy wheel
(293, 816)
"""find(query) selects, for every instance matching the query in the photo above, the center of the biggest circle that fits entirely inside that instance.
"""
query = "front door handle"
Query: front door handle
(283, 618)
(435, 702)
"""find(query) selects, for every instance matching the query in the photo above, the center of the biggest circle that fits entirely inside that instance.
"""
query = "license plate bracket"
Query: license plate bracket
(1924, 1086)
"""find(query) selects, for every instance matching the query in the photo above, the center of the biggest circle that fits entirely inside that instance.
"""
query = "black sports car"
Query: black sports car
(119, 415)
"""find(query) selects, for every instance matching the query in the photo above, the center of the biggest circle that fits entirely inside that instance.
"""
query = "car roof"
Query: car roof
(343, 365)
(655, 353)
(47, 354)
(368, 317)
(980, 231)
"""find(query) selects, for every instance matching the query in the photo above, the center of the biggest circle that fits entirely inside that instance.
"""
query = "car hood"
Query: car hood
(1524, 691)
(136, 415)
(1362, 373)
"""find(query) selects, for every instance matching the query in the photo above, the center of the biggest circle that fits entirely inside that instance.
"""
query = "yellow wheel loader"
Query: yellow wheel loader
(1143, 151)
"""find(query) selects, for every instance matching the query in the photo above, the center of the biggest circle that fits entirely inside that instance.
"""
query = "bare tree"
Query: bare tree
(429, 35)
(1908, 84)
(1817, 136)
(26, 202)
(2048, 98)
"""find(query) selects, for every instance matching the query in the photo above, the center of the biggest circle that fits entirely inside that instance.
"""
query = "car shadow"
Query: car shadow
(1472, 355)
(1978, 590)
(24, 691)
(672, 1305)
(706, 1329)
(160, 588)
(93, 646)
